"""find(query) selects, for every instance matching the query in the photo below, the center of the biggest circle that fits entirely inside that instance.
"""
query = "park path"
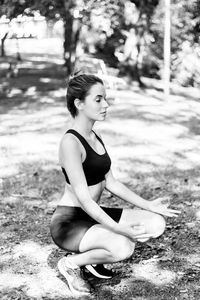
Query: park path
(154, 145)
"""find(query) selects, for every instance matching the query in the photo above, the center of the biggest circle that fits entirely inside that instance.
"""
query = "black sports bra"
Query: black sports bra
(95, 166)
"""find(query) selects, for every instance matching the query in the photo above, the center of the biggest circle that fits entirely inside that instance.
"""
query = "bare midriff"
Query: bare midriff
(69, 197)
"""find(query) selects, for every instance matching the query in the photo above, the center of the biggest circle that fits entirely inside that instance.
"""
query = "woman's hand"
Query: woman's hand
(135, 232)
(160, 206)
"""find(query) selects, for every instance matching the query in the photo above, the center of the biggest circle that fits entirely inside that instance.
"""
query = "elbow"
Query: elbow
(82, 194)
(111, 185)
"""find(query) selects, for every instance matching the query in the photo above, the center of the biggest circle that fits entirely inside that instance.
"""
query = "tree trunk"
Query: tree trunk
(133, 55)
(3, 54)
(167, 50)
(75, 40)
(68, 25)
(71, 36)
(71, 33)
(139, 58)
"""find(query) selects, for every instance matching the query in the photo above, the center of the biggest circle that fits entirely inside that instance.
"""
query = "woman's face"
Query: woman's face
(95, 104)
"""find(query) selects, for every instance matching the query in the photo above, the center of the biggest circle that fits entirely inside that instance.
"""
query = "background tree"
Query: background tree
(167, 48)
(128, 37)
(70, 11)
(129, 34)
(185, 34)
(11, 9)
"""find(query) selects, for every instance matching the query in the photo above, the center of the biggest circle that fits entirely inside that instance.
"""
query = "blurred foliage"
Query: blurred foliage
(185, 30)
(48, 8)
(51, 9)
(185, 42)
(126, 34)
(146, 21)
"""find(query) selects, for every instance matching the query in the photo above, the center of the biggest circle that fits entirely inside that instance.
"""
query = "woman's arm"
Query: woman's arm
(70, 151)
(119, 189)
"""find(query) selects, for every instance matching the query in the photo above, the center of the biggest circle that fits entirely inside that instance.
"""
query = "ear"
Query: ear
(78, 103)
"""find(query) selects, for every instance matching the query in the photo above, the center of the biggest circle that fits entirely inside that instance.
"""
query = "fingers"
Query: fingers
(140, 232)
(138, 229)
(167, 211)
(141, 237)
(172, 213)
(144, 239)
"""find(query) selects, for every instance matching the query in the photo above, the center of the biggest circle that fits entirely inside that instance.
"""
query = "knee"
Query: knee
(122, 249)
(158, 225)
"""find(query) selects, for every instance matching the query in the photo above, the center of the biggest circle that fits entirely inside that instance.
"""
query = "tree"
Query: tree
(167, 47)
(10, 9)
(185, 33)
(135, 28)
(3, 43)
(70, 11)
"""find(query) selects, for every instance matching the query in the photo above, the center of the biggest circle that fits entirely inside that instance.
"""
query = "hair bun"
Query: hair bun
(75, 74)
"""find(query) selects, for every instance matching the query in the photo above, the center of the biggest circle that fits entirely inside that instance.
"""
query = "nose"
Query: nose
(105, 103)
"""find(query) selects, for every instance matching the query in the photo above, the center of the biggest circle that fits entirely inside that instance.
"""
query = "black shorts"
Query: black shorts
(69, 224)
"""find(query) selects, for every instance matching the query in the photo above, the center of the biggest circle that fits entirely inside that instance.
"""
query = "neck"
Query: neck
(83, 125)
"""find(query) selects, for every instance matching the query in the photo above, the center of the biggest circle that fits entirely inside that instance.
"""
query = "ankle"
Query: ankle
(69, 262)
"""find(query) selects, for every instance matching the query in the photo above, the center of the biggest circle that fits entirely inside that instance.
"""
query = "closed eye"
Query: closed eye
(99, 98)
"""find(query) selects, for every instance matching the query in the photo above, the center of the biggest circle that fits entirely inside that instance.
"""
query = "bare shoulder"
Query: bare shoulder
(69, 142)
(69, 149)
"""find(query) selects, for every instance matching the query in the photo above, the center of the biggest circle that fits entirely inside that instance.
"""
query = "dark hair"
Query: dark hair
(78, 88)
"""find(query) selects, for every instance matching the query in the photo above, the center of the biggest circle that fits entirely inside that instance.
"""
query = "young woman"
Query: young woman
(95, 234)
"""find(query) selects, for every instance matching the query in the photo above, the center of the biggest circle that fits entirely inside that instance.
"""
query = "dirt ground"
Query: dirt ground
(154, 145)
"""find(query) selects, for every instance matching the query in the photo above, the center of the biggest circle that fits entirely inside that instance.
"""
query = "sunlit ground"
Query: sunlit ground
(154, 145)
(160, 133)
(27, 266)
(157, 133)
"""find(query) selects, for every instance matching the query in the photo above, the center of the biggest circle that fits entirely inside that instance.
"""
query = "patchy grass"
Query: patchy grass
(154, 148)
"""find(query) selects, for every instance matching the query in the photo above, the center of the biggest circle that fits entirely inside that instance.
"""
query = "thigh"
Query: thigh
(99, 237)
(136, 215)
(68, 226)
(153, 223)
(68, 236)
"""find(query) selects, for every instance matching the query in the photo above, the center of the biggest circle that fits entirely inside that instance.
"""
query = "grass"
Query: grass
(154, 148)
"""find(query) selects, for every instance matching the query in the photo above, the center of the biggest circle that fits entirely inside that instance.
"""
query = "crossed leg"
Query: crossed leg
(102, 246)
(154, 224)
